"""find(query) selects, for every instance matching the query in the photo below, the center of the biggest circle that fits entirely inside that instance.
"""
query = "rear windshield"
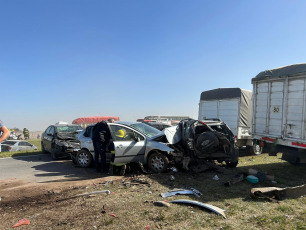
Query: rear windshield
(68, 129)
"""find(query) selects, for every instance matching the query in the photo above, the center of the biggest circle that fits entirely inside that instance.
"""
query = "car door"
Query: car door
(28, 146)
(21, 146)
(129, 147)
(86, 141)
(48, 138)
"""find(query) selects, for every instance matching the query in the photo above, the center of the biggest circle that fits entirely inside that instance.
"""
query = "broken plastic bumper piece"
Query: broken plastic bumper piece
(190, 191)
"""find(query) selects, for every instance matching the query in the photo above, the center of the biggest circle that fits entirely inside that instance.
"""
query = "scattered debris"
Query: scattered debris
(203, 205)
(216, 177)
(173, 169)
(112, 214)
(85, 194)
(274, 193)
(23, 221)
(190, 191)
(172, 178)
(148, 227)
(97, 192)
(161, 203)
(138, 181)
(236, 179)
(103, 209)
(252, 179)
(262, 177)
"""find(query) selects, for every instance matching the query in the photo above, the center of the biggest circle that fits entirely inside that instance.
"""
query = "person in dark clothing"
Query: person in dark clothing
(100, 137)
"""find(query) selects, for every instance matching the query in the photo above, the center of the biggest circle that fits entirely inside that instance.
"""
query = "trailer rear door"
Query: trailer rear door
(295, 109)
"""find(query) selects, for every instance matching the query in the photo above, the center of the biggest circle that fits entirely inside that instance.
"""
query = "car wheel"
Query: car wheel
(256, 149)
(157, 162)
(231, 164)
(43, 150)
(84, 158)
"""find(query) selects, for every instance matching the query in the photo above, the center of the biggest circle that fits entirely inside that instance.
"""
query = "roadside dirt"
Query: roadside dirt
(20, 199)
(12, 190)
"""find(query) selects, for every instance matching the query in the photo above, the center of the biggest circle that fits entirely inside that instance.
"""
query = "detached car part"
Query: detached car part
(190, 191)
(203, 205)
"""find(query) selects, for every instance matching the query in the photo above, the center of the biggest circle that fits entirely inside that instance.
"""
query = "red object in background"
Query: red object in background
(92, 120)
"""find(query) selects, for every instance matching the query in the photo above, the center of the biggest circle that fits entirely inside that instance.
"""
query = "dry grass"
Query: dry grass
(133, 205)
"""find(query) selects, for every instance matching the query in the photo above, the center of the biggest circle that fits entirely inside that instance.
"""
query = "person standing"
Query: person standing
(100, 138)
(26, 133)
(4, 133)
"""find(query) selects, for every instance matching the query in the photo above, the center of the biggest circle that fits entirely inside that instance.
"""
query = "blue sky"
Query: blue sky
(64, 59)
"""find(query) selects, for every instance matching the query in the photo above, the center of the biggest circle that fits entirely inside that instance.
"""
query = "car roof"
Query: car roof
(59, 125)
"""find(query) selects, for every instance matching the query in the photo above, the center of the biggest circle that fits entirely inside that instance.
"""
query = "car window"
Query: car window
(52, 130)
(68, 129)
(9, 142)
(146, 129)
(121, 133)
(27, 144)
(88, 131)
(22, 143)
(48, 129)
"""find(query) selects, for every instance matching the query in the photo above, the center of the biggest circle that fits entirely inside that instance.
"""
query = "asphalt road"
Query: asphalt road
(41, 168)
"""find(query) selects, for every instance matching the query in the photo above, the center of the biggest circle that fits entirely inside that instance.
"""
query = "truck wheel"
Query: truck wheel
(157, 162)
(84, 158)
(256, 149)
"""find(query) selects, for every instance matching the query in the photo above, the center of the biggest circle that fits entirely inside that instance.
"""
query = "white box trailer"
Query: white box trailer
(279, 111)
(234, 107)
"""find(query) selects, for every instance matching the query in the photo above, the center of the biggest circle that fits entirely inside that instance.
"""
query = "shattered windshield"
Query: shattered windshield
(146, 129)
(68, 129)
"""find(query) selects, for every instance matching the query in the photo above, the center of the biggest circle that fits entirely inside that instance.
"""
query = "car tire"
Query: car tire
(158, 162)
(256, 149)
(43, 150)
(84, 158)
(231, 164)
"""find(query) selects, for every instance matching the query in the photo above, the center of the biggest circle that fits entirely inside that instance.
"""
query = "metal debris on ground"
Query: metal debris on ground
(190, 191)
(161, 203)
(138, 181)
(216, 177)
(85, 194)
(203, 205)
(96, 192)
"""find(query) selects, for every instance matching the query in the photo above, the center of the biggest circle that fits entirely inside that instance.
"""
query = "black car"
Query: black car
(200, 143)
(60, 139)
(210, 140)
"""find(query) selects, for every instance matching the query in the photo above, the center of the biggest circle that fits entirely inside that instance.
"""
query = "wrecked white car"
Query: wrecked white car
(134, 142)
(191, 144)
